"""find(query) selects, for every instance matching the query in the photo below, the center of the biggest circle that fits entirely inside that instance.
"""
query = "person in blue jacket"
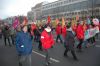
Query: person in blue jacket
(24, 47)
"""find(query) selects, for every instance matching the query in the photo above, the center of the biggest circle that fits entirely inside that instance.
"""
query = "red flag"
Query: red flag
(15, 23)
(49, 19)
(77, 17)
(33, 26)
(25, 21)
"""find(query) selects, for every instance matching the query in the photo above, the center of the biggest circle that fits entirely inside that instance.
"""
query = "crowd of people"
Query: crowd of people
(23, 37)
(8, 34)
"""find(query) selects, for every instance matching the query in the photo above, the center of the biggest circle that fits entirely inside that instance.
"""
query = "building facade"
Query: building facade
(70, 8)
(67, 8)
(30, 16)
(36, 12)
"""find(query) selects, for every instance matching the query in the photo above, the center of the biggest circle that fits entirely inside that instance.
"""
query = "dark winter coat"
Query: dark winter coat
(69, 40)
(6, 32)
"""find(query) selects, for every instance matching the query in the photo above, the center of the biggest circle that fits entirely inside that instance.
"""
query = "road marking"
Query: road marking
(97, 45)
(97, 40)
(52, 59)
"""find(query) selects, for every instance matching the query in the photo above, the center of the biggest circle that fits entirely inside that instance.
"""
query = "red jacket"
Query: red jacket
(33, 27)
(58, 29)
(74, 28)
(64, 31)
(80, 32)
(46, 39)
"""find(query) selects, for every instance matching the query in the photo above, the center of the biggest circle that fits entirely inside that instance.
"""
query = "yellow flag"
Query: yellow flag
(63, 21)
(25, 22)
(57, 21)
(73, 23)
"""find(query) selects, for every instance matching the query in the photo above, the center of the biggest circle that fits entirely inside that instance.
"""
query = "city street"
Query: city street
(89, 56)
(46, 20)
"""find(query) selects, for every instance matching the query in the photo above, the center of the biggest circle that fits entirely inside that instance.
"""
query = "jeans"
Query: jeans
(24, 60)
(59, 37)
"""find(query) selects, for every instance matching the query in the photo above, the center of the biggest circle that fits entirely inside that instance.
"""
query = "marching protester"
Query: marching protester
(24, 47)
(80, 35)
(91, 40)
(37, 34)
(34, 30)
(64, 33)
(85, 42)
(69, 43)
(68, 33)
(39, 38)
(6, 35)
(12, 35)
(59, 32)
(47, 42)
(30, 31)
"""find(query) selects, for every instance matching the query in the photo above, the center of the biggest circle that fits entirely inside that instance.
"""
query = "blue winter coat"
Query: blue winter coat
(23, 43)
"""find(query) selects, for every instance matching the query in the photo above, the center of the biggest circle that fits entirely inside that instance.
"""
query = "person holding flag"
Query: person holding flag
(96, 25)
(47, 42)
(64, 28)
(49, 19)
(80, 35)
(59, 32)
(69, 43)
(64, 33)
(24, 46)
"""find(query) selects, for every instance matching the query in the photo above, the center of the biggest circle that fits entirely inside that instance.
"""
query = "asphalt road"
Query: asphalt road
(89, 57)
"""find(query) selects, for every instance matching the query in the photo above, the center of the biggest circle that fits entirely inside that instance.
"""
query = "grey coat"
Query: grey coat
(69, 40)
(6, 32)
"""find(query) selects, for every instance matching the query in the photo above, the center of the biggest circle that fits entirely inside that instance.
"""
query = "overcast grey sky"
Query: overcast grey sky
(17, 7)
